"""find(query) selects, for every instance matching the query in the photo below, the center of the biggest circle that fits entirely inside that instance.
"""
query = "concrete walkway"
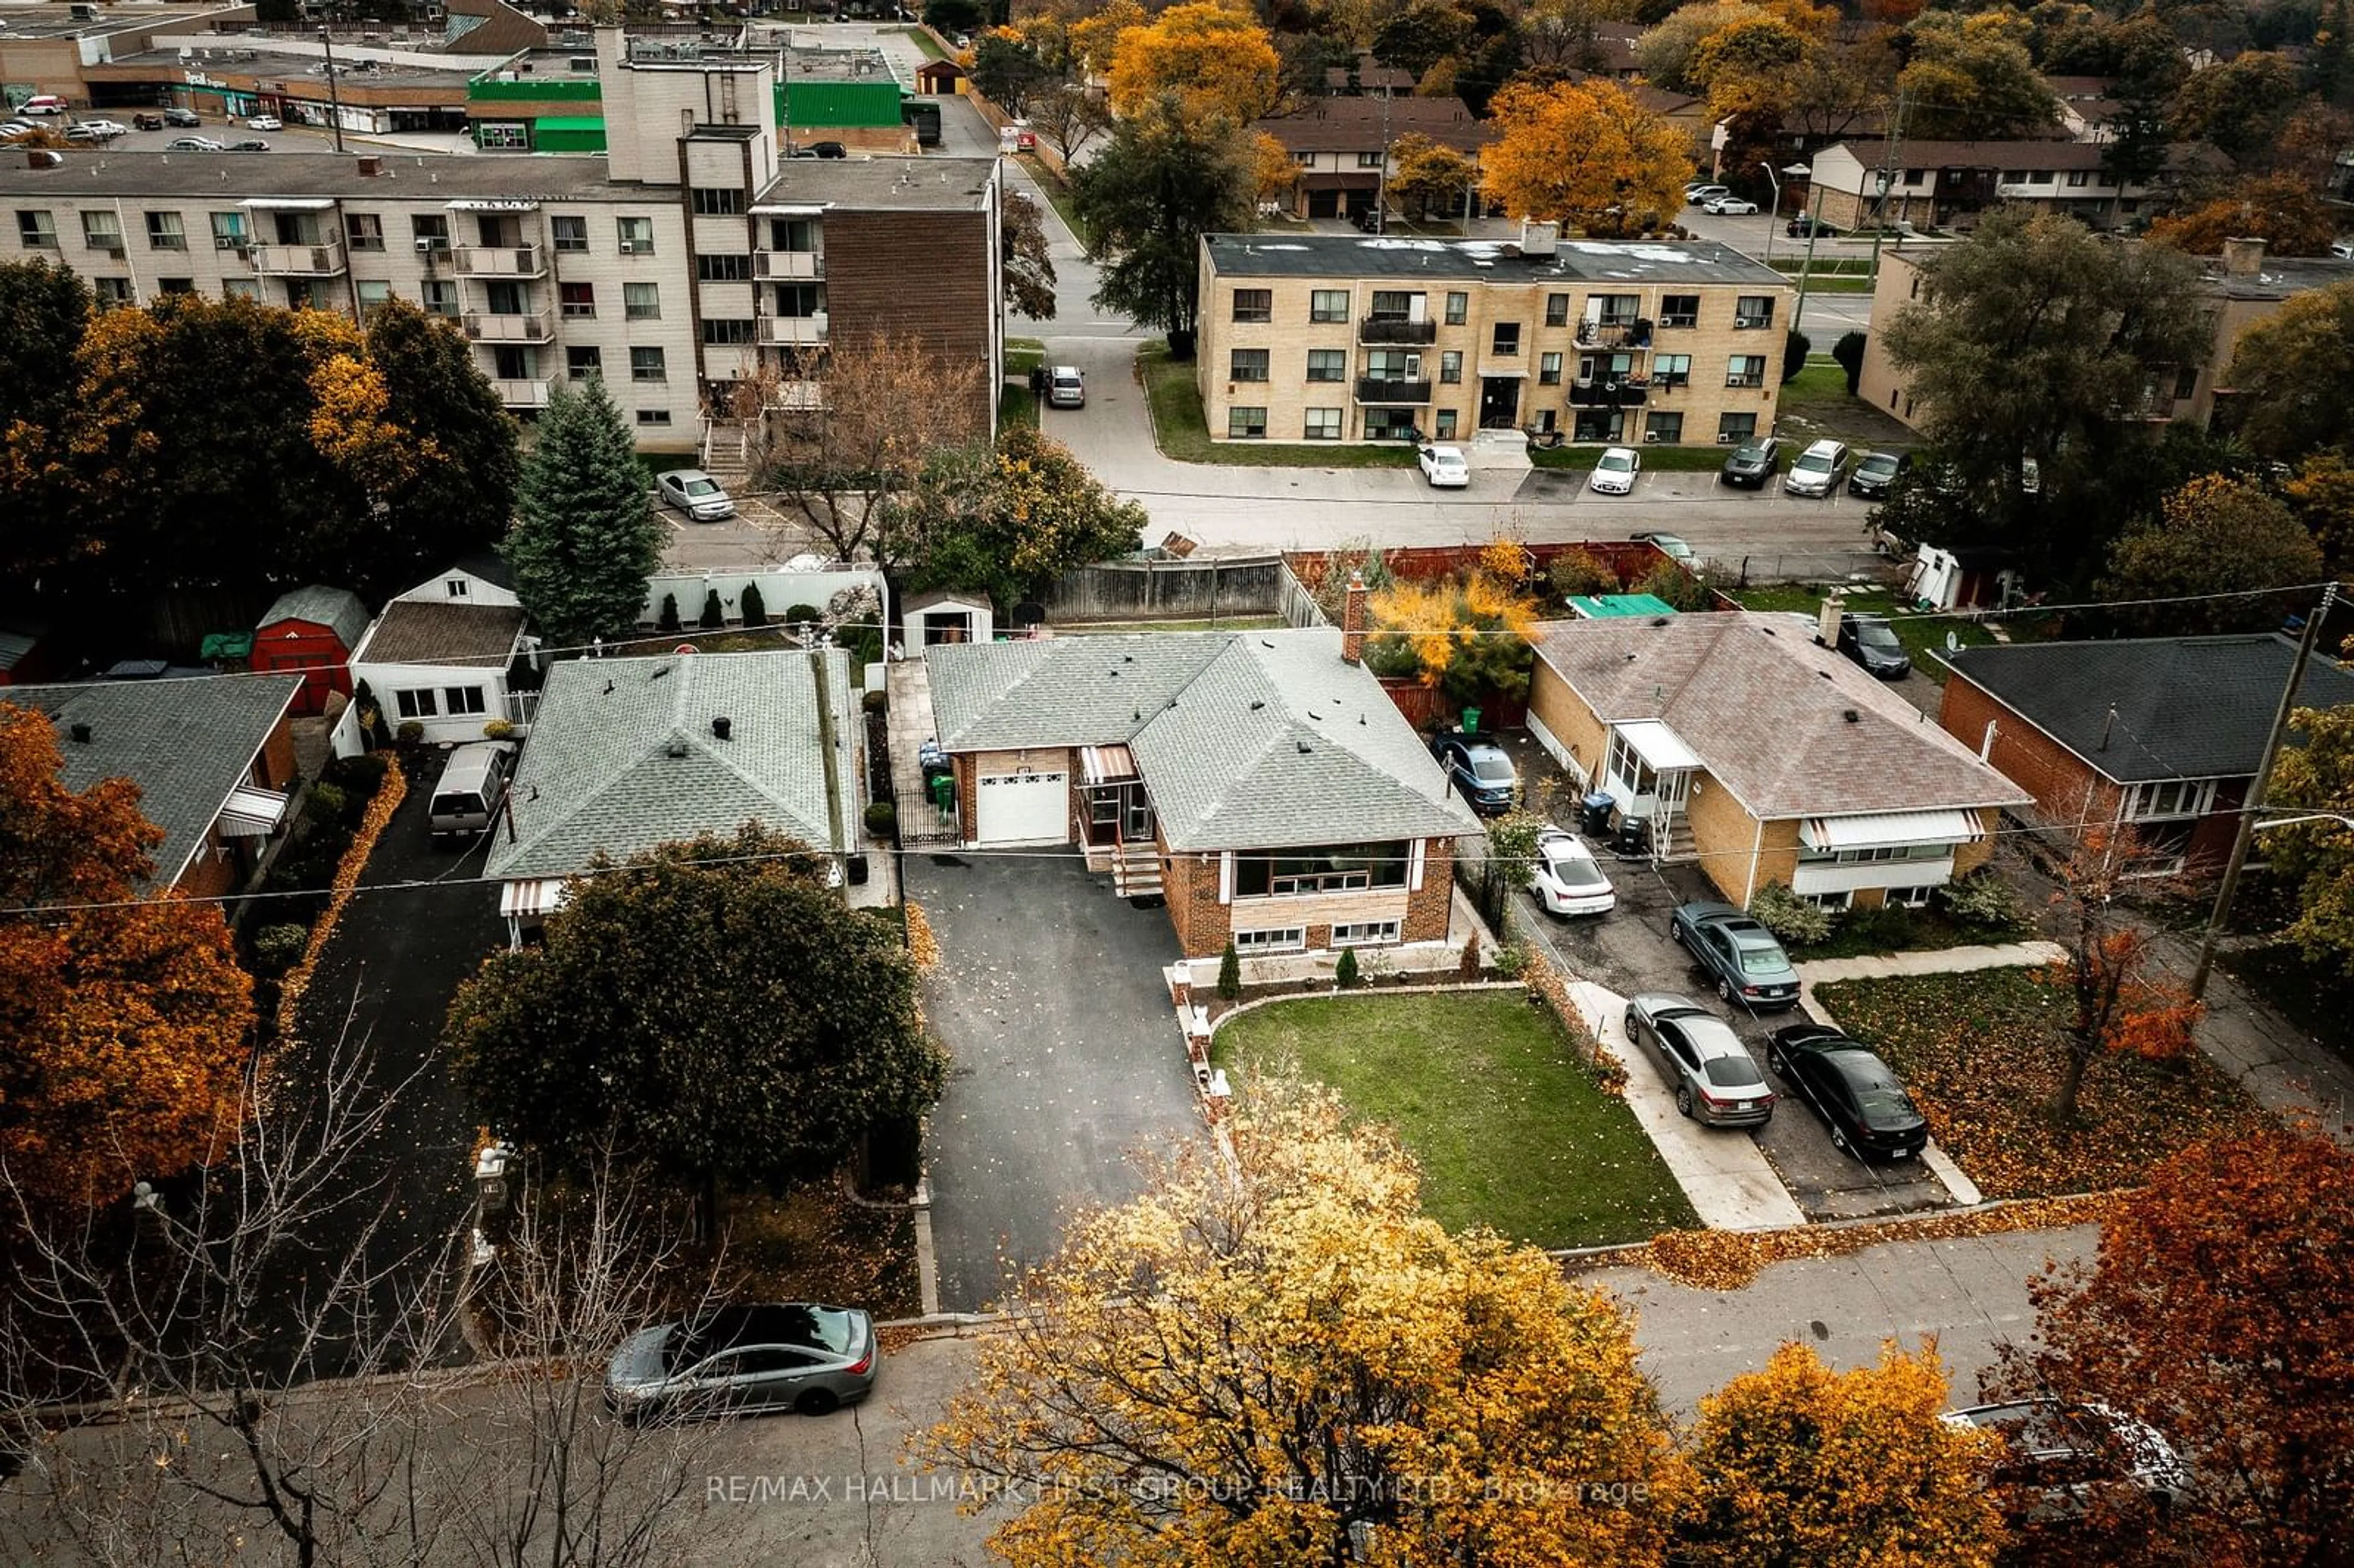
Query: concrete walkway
(1724, 1173)
(1937, 961)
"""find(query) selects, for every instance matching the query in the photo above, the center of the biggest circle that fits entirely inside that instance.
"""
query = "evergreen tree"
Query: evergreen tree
(585, 537)
(755, 608)
(714, 614)
(464, 497)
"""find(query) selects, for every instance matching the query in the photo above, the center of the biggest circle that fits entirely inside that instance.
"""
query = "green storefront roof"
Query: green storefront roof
(569, 133)
(1608, 606)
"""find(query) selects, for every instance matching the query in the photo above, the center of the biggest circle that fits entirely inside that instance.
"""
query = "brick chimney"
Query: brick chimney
(2243, 258)
(1352, 620)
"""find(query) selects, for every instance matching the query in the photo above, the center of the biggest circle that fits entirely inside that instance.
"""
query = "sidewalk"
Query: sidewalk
(1937, 961)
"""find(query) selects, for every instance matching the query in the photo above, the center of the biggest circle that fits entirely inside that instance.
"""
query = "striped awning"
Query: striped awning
(1889, 829)
(532, 898)
(251, 813)
(1105, 765)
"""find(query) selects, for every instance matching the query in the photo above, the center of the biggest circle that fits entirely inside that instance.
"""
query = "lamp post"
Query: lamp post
(1814, 229)
(1796, 172)
(334, 98)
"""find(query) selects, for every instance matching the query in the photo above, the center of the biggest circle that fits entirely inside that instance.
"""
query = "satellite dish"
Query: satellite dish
(684, 648)
(1953, 641)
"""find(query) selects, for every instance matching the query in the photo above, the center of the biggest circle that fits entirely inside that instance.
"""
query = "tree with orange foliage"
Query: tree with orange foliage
(2120, 1000)
(2279, 209)
(1094, 41)
(123, 1020)
(1219, 63)
(2219, 1310)
(1466, 635)
(1585, 153)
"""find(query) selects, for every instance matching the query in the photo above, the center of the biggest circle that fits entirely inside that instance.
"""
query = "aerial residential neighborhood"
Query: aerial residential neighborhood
(1084, 782)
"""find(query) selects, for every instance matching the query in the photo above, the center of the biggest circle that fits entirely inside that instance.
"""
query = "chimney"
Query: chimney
(371, 165)
(721, 727)
(1352, 620)
(1540, 238)
(81, 733)
(2243, 258)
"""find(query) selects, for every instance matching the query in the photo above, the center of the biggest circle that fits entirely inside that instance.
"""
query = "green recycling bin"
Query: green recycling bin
(1470, 721)
(944, 793)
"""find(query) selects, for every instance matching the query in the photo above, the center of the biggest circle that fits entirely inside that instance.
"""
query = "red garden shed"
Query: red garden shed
(310, 631)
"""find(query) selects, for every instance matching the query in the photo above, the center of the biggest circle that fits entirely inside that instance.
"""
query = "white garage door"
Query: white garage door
(1025, 808)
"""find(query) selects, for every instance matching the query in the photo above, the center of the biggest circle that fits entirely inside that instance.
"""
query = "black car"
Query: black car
(146, 121)
(1805, 224)
(1752, 463)
(1867, 1112)
(828, 149)
(1870, 641)
(1479, 767)
(183, 119)
(250, 145)
(1875, 474)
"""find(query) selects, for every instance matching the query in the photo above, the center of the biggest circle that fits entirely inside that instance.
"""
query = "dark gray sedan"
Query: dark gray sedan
(789, 1355)
(1740, 955)
(1703, 1060)
(1863, 1104)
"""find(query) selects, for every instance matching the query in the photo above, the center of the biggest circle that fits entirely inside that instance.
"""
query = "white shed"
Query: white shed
(944, 616)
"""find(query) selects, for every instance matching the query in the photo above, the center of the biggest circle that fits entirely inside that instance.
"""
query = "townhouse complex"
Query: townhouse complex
(690, 256)
(1361, 338)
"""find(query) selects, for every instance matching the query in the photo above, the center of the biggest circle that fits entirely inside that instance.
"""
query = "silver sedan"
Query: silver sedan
(1715, 1079)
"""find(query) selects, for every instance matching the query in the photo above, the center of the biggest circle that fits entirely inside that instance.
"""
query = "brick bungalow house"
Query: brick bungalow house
(2164, 733)
(1262, 782)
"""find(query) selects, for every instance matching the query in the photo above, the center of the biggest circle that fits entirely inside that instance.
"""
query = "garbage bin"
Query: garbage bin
(1594, 816)
(944, 793)
(1470, 721)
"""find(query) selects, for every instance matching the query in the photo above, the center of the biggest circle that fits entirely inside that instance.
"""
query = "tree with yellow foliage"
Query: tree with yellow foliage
(1286, 1362)
(1467, 636)
(1585, 153)
(1218, 61)
(1801, 1465)
(1093, 40)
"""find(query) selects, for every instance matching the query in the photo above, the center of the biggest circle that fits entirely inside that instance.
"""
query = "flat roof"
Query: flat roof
(1496, 260)
(59, 21)
(278, 66)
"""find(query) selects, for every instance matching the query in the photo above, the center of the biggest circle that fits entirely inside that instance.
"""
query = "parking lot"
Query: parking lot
(289, 138)
(1628, 951)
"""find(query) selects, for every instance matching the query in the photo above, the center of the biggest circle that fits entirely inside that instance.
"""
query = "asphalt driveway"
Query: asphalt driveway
(1065, 1055)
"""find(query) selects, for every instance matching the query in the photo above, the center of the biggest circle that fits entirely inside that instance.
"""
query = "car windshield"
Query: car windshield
(1495, 769)
(1878, 637)
(1615, 462)
(1577, 871)
(1731, 1072)
(1877, 467)
(1877, 1095)
(699, 486)
(1814, 462)
(1750, 454)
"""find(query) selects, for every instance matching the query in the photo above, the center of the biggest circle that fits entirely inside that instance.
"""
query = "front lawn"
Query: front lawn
(1867, 933)
(1816, 403)
(1489, 1094)
(1923, 635)
(1980, 1052)
(1178, 429)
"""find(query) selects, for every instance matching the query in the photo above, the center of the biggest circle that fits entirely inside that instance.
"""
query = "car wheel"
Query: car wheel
(1675, 934)
(817, 1402)
(1684, 1099)
(1630, 1023)
(1840, 1141)
(1725, 990)
(1774, 1063)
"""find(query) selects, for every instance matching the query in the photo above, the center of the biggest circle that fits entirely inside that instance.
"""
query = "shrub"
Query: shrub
(755, 608)
(498, 729)
(361, 776)
(1848, 352)
(1795, 346)
(803, 615)
(1230, 972)
(277, 948)
(1791, 918)
(1344, 973)
(410, 733)
(668, 620)
(1678, 588)
(882, 817)
(1985, 901)
(1511, 959)
(714, 614)
(1891, 928)
(1581, 571)
(1467, 966)
(876, 701)
(329, 801)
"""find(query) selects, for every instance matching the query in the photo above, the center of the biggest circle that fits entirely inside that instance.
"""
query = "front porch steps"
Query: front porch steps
(1679, 847)
(1136, 871)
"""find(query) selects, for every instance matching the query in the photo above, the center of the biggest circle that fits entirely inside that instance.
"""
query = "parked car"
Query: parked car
(795, 1355)
(1731, 207)
(1480, 768)
(192, 145)
(1444, 467)
(1818, 469)
(1752, 463)
(96, 129)
(265, 123)
(42, 103)
(1738, 953)
(1705, 1062)
(185, 118)
(147, 121)
(1672, 545)
(1066, 387)
(696, 493)
(1806, 224)
(17, 130)
(1565, 877)
(473, 787)
(1873, 643)
(248, 144)
(1875, 474)
(828, 149)
(1863, 1104)
(1614, 472)
(1701, 195)
(2060, 1451)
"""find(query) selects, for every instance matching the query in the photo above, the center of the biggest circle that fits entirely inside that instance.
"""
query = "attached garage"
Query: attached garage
(1029, 806)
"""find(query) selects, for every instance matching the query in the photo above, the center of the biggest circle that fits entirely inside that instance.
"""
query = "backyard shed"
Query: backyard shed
(310, 631)
(926, 619)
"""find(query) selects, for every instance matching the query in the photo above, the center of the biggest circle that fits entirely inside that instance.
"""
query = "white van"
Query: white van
(42, 103)
(473, 785)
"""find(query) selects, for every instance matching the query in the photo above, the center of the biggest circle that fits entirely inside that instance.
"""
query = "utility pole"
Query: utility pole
(334, 98)
(1891, 164)
(1807, 267)
(1382, 176)
(2256, 789)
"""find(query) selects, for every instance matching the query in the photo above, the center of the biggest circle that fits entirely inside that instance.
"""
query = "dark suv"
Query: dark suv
(1752, 463)
(183, 119)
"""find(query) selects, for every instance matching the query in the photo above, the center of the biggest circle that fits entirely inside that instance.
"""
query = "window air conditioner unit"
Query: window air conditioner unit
(1727, 437)
(629, 247)
(1649, 437)
(425, 248)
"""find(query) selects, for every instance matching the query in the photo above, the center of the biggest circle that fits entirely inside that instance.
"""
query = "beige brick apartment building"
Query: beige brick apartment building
(688, 255)
(1359, 338)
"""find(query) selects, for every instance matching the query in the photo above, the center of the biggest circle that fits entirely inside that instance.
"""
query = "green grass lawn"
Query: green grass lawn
(926, 42)
(1922, 635)
(1980, 1052)
(1023, 355)
(1178, 429)
(1489, 1094)
(1017, 404)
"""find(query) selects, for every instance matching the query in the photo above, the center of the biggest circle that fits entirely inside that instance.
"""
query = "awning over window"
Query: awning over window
(251, 813)
(532, 899)
(290, 204)
(1657, 745)
(1887, 830)
(492, 204)
(1105, 764)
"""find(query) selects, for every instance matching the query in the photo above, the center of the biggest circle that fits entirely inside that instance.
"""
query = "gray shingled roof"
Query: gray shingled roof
(1246, 740)
(338, 609)
(186, 743)
(419, 631)
(1766, 709)
(597, 776)
(2187, 707)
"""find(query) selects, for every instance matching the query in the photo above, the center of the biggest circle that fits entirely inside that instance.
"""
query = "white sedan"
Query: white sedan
(1731, 207)
(271, 123)
(1445, 467)
(1565, 877)
(696, 493)
(1614, 472)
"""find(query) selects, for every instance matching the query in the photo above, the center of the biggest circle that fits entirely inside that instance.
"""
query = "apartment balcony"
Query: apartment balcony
(1614, 334)
(324, 260)
(1382, 391)
(502, 260)
(523, 394)
(793, 331)
(1609, 394)
(1396, 329)
(527, 326)
(788, 266)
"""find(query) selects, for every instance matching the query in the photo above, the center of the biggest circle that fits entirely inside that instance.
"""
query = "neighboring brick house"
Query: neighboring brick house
(1263, 782)
(1763, 757)
(213, 758)
(2163, 732)
(1341, 147)
(1361, 338)
(1949, 182)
